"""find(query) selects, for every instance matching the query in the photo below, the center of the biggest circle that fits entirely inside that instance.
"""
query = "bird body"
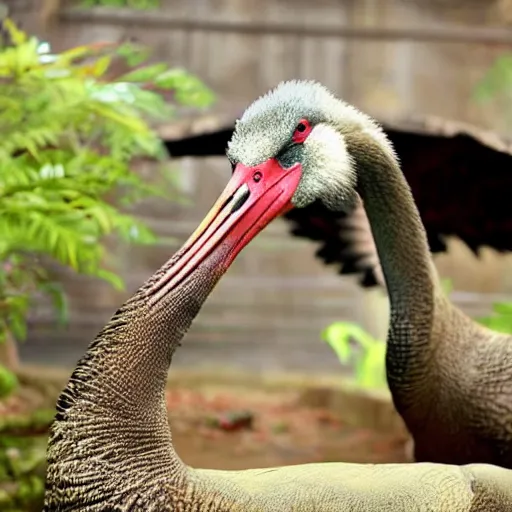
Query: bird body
(110, 446)
(451, 379)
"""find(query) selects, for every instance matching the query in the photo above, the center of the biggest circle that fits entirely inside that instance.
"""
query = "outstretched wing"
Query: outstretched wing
(461, 180)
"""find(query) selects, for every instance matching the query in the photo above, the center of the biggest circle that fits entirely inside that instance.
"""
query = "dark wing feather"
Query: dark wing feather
(345, 239)
(461, 180)
(460, 177)
(204, 144)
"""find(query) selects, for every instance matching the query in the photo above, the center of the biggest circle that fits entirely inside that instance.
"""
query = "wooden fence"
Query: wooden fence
(389, 57)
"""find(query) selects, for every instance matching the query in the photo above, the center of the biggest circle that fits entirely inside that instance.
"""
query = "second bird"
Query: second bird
(450, 378)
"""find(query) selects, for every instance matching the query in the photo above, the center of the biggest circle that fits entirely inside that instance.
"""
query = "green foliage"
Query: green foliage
(132, 4)
(497, 80)
(70, 130)
(22, 468)
(501, 319)
(8, 382)
(369, 361)
(447, 286)
(494, 90)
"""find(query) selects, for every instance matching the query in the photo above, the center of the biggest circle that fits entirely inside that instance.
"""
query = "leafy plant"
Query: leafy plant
(447, 286)
(71, 125)
(369, 361)
(497, 80)
(501, 319)
(8, 382)
(495, 89)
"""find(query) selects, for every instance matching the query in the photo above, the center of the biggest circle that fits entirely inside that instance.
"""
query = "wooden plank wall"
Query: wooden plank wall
(381, 76)
(277, 298)
(384, 77)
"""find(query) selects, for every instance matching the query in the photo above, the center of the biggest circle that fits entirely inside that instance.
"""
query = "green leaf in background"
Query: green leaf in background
(111, 278)
(146, 74)
(188, 89)
(503, 308)
(17, 36)
(133, 54)
(497, 80)
(447, 286)
(8, 382)
(338, 336)
(71, 132)
(501, 318)
(371, 369)
(369, 363)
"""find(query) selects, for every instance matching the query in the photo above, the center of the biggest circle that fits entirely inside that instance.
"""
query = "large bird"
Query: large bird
(459, 176)
(110, 444)
(449, 377)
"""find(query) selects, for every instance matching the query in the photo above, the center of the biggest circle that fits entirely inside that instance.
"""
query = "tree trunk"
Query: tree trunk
(9, 356)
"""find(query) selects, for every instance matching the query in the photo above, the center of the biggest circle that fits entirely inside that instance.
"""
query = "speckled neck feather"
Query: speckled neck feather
(442, 367)
(111, 424)
(405, 258)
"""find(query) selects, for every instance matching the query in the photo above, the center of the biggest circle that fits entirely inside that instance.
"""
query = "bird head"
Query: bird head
(290, 148)
(292, 130)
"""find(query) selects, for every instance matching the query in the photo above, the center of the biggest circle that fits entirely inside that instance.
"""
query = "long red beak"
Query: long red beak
(253, 197)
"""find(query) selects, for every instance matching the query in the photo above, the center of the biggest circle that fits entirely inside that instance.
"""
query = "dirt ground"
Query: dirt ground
(230, 428)
(283, 432)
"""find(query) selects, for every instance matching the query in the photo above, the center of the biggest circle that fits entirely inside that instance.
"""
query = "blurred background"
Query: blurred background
(428, 67)
(391, 58)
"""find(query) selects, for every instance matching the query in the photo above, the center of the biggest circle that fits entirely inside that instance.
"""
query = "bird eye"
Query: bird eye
(302, 131)
(233, 165)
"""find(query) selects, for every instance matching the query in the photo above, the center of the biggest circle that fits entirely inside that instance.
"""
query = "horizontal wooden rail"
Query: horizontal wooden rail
(439, 34)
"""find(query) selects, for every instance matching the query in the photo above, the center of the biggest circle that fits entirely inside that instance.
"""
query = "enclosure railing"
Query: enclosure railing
(449, 33)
